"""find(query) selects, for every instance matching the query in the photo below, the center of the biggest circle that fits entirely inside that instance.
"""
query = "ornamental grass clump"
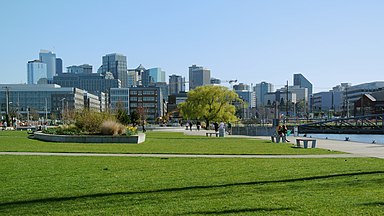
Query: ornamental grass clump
(111, 127)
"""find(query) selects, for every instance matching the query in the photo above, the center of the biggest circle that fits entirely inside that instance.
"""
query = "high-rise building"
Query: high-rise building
(37, 71)
(157, 75)
(117, 65)
(81, 69)
(198, 76)
(135, 76)
(59, 66)
(176, 84)
(49, 58)
(301, 81)
(261, 90)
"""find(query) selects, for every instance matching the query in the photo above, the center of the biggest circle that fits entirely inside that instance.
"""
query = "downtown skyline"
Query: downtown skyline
(251, 41)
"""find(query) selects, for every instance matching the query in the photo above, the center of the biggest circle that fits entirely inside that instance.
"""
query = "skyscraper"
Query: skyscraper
(135, 76)
(176, 84)
(198, 76)
(117, 65)
(157, 74)
(301, 81)
(59, 66)
(49, 58)
(37, 70)
(261, 90)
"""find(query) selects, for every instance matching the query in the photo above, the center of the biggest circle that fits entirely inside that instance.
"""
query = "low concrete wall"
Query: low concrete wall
(253, 131)
(134, 139)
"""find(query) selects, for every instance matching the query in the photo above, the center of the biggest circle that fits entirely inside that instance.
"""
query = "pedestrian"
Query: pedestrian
(216, 126)
(229, 125)
(143, 127)
(198, 125)
(190, 125)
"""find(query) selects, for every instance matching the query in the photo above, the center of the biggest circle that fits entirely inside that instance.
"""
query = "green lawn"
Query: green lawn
(157, 142)
(55, 185)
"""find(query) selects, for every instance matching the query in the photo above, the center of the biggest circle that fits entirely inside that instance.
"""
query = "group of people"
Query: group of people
(282, 133)
(190, 124)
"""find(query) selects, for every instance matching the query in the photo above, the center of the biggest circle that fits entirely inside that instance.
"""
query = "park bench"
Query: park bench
(211, 133)
(305, 142)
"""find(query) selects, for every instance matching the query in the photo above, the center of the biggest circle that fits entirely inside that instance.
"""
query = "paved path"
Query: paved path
(355, 148)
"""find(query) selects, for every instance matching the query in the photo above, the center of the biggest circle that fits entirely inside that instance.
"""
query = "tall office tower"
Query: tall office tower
(198, 76)
(157, 74)
(301, 81)
(135, 76)
(117, 65)
(176, 84)
(261, 90)
(59, 66)
(37, 70)
(49, 58)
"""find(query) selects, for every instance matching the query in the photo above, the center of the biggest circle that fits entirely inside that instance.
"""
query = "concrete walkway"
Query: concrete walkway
(355, 148)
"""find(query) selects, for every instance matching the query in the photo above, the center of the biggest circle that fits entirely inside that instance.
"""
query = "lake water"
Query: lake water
(364, 138)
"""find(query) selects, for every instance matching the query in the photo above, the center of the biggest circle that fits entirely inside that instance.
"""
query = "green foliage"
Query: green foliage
(122, 115)
(64, 130)
(90, 121)
(131, 130)
(210, 103)
(135, 118)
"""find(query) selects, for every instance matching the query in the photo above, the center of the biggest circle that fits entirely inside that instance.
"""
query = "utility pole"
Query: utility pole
(286, 103)
(7, 104)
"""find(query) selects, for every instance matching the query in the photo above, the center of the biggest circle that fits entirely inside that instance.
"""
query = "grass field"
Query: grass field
(54, 185)
(157, 142)
(65, 185)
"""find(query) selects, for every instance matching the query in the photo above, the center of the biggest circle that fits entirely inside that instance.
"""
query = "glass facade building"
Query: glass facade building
(117, 65)
(43, 100)
(176, 84)
(36, 70)
(48, 58)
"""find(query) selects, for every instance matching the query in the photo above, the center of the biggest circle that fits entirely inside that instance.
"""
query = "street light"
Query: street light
(62, 108)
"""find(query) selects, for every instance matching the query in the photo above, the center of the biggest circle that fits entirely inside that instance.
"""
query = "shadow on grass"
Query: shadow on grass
(238, 211)
(378, 204)
(100, 195)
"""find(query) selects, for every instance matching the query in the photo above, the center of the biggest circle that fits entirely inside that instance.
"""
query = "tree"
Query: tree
(135, 118)
(122, 114)
(210, 103)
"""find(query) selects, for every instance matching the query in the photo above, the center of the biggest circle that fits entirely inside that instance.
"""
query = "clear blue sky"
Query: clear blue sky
(328, 41)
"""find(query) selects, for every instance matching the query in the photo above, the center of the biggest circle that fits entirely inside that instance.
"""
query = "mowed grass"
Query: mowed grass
(157, 142)
(56, 185)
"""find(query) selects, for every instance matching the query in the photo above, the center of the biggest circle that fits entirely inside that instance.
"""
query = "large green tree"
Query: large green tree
(210, 103)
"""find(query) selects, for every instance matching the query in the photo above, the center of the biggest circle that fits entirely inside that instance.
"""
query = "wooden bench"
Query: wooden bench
(210, 134)
(305, 142)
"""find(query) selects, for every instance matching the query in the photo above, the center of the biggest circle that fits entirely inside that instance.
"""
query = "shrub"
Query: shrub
(90, 121)
(64, 130)
(111, 127)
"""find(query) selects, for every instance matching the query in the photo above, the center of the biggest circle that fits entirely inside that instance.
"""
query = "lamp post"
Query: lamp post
(62, 108)
(7, 104)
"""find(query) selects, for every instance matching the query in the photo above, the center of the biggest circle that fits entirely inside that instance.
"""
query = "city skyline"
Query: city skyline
(252, 41)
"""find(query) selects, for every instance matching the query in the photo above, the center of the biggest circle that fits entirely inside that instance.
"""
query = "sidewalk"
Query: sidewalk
(355, 148)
